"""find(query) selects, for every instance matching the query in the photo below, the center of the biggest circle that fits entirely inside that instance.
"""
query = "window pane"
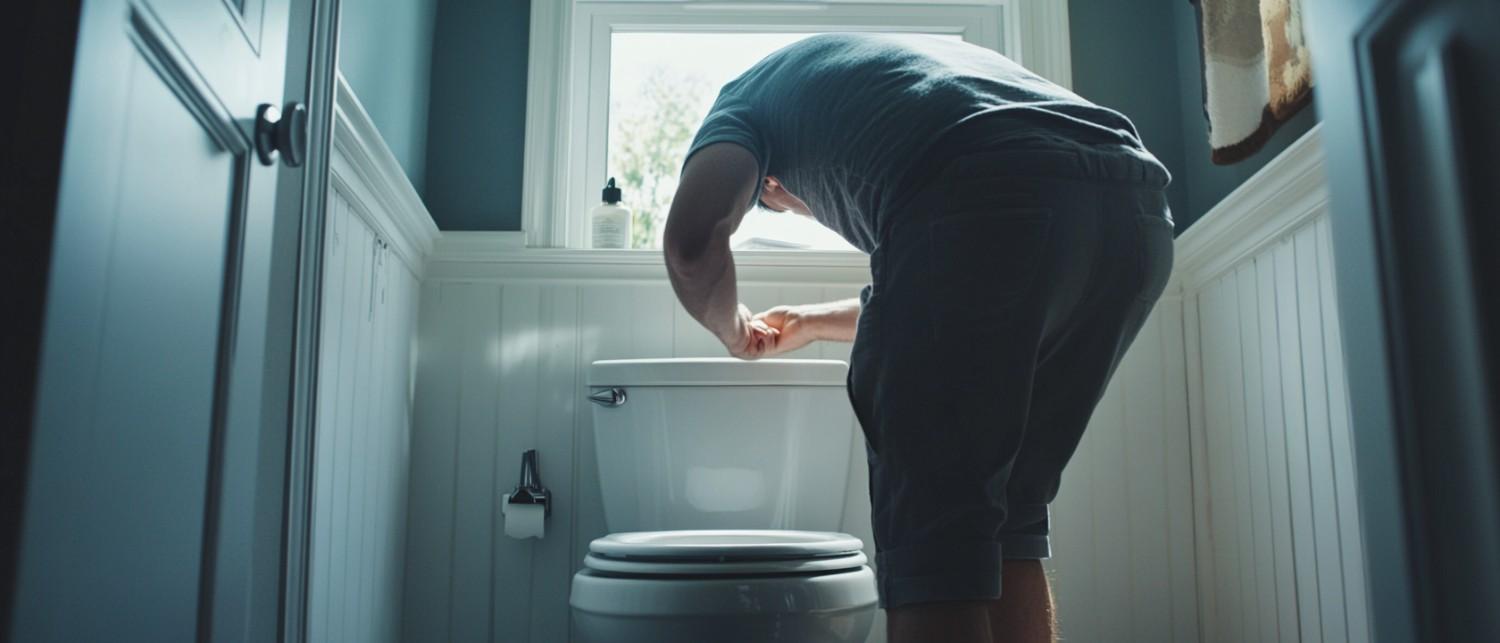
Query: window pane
(661, 87)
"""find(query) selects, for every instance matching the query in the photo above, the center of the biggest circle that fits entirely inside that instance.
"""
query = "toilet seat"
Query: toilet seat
(727, 545)
(724, 552)
(729, 568)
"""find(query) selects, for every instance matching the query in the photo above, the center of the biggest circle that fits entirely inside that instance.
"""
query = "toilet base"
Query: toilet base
(847, 627)
(837, 607)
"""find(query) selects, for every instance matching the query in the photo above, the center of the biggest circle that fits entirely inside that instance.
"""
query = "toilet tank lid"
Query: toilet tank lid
(717, 372)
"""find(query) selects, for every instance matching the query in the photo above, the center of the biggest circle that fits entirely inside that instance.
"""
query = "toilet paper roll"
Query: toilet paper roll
(524, 521)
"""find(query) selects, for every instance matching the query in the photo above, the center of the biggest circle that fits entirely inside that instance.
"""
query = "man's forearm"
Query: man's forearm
(836, 320)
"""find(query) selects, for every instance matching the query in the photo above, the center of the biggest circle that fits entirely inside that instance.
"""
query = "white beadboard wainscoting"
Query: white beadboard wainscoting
(1279, 551)
(376, 233)
(506, 338)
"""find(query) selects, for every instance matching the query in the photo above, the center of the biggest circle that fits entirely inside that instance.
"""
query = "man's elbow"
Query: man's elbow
(683, 252)
(690, 241)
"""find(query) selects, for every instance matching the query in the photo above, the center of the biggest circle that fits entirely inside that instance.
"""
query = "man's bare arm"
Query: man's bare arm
(712, 198)
(835, 321)
(800, 325)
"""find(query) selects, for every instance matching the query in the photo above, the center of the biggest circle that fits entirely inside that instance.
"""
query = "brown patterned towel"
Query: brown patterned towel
(1256, 72)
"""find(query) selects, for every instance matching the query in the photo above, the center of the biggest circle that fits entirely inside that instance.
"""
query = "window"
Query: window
(640, 76)
(661, 85)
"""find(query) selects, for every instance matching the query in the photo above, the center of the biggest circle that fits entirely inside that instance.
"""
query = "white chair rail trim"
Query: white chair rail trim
(365, 171)
(1284, 195)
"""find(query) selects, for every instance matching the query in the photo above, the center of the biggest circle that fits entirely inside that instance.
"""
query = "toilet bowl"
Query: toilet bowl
(723, 483)
(724, 586)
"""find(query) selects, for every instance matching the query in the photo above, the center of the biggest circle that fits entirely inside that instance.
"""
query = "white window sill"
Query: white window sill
(500, 255)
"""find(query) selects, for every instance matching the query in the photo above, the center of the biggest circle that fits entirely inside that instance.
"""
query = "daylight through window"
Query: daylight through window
(661, 87)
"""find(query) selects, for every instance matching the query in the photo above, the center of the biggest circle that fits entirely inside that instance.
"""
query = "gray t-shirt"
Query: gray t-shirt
(849, 122)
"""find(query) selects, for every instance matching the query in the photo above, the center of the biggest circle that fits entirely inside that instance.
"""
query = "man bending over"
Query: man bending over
(1018, 236)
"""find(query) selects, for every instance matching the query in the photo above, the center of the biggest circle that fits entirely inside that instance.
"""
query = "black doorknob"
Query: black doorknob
(281, 132)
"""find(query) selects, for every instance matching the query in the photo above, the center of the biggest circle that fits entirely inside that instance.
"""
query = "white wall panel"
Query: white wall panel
(1176, 421)
(1299, 480)
(429, 559)
(361, 434)
(1278, 547)
(1274, 428)
(1277, 518)
(1123, 566)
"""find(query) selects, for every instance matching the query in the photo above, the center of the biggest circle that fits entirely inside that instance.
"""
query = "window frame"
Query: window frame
(567, 115)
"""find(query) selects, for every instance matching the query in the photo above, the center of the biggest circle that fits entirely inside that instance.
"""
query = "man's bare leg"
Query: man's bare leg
(1024, 613)
(950, 622)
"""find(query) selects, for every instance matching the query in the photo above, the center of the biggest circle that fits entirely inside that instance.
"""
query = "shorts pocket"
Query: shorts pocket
(985, 271)
(1155, 255)
(986, 260)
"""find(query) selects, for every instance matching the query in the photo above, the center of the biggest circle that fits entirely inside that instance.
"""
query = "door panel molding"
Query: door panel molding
(156, 45)
(249, 16)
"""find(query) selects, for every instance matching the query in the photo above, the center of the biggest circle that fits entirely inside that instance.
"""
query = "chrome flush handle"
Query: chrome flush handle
(610, 397)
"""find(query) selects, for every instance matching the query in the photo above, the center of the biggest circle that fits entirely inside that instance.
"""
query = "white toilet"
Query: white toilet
(724, 485)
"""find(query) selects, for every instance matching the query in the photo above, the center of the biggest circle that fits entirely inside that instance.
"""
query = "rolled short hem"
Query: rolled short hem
(1026, 546)
(938, 572)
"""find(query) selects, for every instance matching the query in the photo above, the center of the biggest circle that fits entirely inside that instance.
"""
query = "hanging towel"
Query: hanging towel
(1256, 72)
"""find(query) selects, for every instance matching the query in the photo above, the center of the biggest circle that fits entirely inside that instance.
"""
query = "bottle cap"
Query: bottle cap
(611, 193)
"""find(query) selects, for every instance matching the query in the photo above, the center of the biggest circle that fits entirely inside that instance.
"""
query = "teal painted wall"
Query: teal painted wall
(478, 120)
(385, 52)
(1142, 59)
(1124, 59)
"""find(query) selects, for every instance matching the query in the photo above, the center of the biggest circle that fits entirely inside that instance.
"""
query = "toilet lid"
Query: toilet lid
(725, 545)
(632, 567)
(724, 552)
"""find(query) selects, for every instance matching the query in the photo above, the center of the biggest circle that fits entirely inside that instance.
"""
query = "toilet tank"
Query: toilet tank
(721, 443)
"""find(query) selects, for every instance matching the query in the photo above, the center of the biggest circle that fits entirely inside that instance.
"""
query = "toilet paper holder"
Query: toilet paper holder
(530, 490)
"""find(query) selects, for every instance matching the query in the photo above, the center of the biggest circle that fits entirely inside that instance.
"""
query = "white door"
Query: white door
(153, 507)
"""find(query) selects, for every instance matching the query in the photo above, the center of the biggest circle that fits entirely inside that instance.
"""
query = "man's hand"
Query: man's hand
(798, 326)
(749, 338)
(794, 328)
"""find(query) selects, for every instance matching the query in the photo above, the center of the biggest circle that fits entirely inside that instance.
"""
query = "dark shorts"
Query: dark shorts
(1005, 293)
